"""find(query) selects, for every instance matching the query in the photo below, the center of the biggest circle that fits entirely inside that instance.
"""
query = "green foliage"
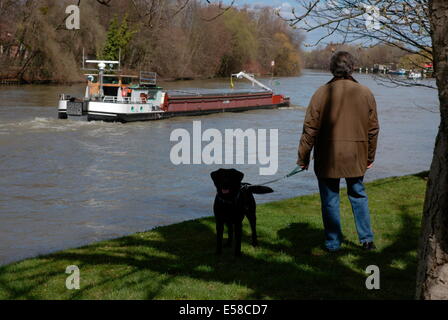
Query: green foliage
(44, 10)
(256, 40)
(118, 37)
(287, 59)
(244, 43)
(178, 261)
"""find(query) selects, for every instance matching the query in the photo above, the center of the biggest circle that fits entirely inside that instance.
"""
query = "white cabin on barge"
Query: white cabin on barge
(113, 97)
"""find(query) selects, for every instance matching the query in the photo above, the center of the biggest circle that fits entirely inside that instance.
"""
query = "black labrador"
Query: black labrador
(234, 200)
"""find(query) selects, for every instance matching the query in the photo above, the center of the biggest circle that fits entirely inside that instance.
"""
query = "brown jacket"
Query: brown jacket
(341, 124)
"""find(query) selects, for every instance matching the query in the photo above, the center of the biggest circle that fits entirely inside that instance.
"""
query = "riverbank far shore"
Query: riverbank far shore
(178, 261)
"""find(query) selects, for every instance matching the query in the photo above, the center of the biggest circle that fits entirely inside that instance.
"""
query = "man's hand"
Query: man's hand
(301, 165)
(369, 165)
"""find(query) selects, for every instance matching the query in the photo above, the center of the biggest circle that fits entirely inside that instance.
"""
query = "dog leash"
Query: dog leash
(295, 171)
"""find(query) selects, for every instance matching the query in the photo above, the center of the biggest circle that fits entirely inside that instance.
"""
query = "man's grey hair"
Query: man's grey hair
(342, 64)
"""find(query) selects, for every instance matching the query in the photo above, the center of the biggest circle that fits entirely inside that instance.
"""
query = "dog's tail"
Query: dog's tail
(259, 189)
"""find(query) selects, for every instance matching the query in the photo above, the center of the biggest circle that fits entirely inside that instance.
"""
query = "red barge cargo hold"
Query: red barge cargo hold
(112, 97)
(224, 102)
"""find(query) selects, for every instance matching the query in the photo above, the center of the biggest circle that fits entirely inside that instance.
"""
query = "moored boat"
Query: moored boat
(414, 75)
(126, 98)
(399, 72)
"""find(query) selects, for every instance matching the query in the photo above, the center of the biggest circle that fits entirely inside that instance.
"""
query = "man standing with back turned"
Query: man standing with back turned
(341, 125)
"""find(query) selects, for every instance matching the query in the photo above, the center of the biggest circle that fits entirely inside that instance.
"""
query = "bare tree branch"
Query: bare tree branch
(397, 82)
(223, 10)
(104, 2)
(182, 7)
(404, 22)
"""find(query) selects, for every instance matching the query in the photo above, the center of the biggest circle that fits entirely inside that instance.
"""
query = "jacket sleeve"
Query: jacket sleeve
(374, 129)
(311, 127)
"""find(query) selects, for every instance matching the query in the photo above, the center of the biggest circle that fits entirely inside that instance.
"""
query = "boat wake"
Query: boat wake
(43, 124)
(293, 107)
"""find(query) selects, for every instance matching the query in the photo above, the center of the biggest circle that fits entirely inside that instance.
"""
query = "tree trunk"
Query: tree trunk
(432, 274)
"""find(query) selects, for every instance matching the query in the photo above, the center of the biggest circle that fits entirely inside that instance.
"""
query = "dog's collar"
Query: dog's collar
(234, 200)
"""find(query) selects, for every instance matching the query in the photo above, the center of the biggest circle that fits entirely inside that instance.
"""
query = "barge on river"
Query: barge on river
(124, 98)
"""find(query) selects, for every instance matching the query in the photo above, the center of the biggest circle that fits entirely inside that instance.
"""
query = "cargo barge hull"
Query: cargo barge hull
(173, 106)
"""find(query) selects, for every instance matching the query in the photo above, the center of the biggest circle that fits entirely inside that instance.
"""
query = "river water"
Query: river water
(66, 183)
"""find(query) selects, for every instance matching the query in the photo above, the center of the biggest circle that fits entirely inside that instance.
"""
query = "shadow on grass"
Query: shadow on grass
(423, 175)
(290, 264)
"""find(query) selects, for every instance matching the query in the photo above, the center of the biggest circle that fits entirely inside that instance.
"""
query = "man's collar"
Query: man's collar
(342, 78)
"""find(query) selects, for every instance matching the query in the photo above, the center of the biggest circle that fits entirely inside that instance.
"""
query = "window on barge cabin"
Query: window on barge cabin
(126, 80)
(110, 80)
(110, 90)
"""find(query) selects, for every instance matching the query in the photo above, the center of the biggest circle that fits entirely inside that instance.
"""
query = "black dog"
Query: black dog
(234, 200)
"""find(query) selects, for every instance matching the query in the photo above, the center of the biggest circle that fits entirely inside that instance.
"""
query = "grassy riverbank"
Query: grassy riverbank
(178, 261)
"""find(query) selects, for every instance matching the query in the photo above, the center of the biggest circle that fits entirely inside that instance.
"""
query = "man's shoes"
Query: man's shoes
(368, 246)
(332, 250)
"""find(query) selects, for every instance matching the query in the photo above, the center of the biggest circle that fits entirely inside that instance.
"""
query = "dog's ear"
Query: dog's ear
(216, 176)
(237, 176)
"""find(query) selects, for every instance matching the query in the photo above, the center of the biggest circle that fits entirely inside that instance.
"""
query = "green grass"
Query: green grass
(178, 261)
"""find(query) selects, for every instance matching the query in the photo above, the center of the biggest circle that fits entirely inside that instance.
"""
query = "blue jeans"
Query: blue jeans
(329, 195)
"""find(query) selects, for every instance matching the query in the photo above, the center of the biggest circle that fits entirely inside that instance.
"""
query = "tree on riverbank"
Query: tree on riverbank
(419, 27)
(118, 38)
(415, 61)
(176, 39)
